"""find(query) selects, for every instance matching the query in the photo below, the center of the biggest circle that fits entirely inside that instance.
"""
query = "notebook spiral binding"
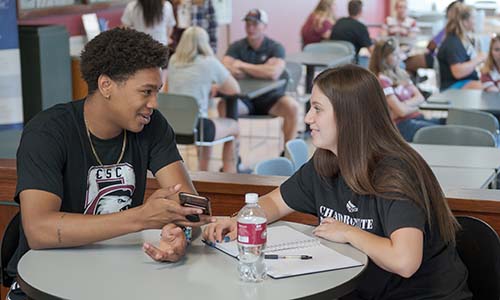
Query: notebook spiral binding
(292, 245)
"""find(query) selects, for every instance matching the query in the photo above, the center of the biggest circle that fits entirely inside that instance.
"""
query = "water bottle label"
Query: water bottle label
(252, 234)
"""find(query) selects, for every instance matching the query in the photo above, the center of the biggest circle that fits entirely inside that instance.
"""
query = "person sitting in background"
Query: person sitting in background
(403, 97)
(352, 30)
(318, 25)
(258, 56)
(401, 25)
(154, 17)
(82, 165)
(192, 70)
(457, 57)
(370, 189)
(490, 74)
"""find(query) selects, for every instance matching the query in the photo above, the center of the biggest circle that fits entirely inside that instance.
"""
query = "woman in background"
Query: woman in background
(401, 94)
(192, 71)
(154, 17)
(318, 25)
(490, 74)
(457, 57)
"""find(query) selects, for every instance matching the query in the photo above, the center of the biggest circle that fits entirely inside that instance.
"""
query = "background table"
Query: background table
(467, 178)
(250, 88)
(459, 156)
(118, 269)
(313, 60)
(464, 99)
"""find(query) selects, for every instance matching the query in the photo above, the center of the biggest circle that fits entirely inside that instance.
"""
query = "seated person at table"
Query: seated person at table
(401, 25)
(370, 189)
(318, 25)
(193, 68)
(258, 56)
(490, 74)
(82, 165)
(403, 97)
(351, 29)
(457, 57)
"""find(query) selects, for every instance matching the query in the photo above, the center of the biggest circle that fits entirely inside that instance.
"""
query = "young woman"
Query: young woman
(490, 74)
(401, 25)
(192, 70)
(364, 174)
(318, 25)
(154, 17)
(457, 57)
(402, 95)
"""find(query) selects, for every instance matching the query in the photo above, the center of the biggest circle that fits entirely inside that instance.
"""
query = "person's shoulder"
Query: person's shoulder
(239, 43)
(384, 79)
(57, 114)
(272, 42)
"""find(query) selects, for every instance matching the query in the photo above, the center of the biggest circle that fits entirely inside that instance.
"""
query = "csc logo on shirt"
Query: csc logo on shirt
(109, 189)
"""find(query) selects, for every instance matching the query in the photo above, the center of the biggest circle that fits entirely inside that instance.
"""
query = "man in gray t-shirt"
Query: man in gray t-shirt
(261, 57)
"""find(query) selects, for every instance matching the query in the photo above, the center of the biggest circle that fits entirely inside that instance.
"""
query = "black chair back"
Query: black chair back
(10, 241)
(479, 248)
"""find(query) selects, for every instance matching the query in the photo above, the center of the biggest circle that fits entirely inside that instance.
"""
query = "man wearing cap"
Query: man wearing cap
(261, 57)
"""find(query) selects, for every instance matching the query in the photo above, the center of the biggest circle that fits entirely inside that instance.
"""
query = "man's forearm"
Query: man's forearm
(261, 71)
(60, 229)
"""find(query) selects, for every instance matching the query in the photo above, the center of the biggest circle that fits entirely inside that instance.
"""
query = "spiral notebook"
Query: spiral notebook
(284, 240)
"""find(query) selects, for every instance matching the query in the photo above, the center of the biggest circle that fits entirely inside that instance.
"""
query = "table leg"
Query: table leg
(309, 85)
(231, 107)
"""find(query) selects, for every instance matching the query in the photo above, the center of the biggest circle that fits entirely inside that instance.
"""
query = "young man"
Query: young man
(82, 165)
(261, 57)
(351, 29)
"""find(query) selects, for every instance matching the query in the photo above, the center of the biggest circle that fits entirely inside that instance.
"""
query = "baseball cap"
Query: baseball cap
(256, 15)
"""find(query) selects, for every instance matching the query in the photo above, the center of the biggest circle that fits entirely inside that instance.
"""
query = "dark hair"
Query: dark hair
(152, 11)
(372, 156)
(450, 6)
(354, 7)
(119, 53)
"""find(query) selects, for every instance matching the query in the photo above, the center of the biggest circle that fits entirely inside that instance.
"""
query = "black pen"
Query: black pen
(276, 256)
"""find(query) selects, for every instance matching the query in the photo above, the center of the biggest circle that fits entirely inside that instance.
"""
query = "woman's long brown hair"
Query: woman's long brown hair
(372, 156)
(152, 11)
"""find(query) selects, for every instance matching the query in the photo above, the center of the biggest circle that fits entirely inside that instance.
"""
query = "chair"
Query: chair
(279, 166)
(182, 113)
(10, 141)
(337, 47)
(454, 135)
(298, 152)
(294, 71)
(478, 246)
(473, 118)
(10, 241)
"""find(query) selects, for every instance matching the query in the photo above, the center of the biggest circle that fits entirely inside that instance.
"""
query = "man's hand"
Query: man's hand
(160, 209)
(172, 245)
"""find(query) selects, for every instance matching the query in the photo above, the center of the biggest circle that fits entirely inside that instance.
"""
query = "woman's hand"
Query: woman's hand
(333, 230)
(172, 245)
(222, 230)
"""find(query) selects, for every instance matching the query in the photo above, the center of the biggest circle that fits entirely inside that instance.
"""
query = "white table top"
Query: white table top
(118, 269)
(460, 156)
(464, 99)
(466, 178)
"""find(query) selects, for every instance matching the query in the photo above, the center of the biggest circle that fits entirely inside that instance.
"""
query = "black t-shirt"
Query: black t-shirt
(452, 51)
(55, 156)
(243, 51)
(351, 30)
(442, 274)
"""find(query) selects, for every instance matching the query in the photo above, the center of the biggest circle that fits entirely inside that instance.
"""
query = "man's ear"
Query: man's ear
(105, 84)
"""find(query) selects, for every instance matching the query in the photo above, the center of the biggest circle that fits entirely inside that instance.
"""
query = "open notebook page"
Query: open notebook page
(284, 240)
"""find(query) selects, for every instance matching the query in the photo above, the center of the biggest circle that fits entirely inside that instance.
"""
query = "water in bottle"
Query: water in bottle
(252, 237)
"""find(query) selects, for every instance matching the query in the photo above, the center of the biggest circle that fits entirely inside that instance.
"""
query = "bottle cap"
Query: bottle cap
(251, 198)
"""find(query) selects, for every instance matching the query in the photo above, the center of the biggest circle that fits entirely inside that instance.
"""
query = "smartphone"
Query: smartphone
(196, 201)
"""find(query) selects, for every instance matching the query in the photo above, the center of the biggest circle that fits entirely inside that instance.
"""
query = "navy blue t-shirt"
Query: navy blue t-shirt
(351, 30)
(452, 51)
(442, 275)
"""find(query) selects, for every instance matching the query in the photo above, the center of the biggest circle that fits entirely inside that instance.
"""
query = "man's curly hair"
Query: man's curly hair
(119, 53)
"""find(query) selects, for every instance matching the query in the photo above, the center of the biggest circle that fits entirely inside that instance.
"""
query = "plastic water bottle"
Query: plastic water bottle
(252, 237)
